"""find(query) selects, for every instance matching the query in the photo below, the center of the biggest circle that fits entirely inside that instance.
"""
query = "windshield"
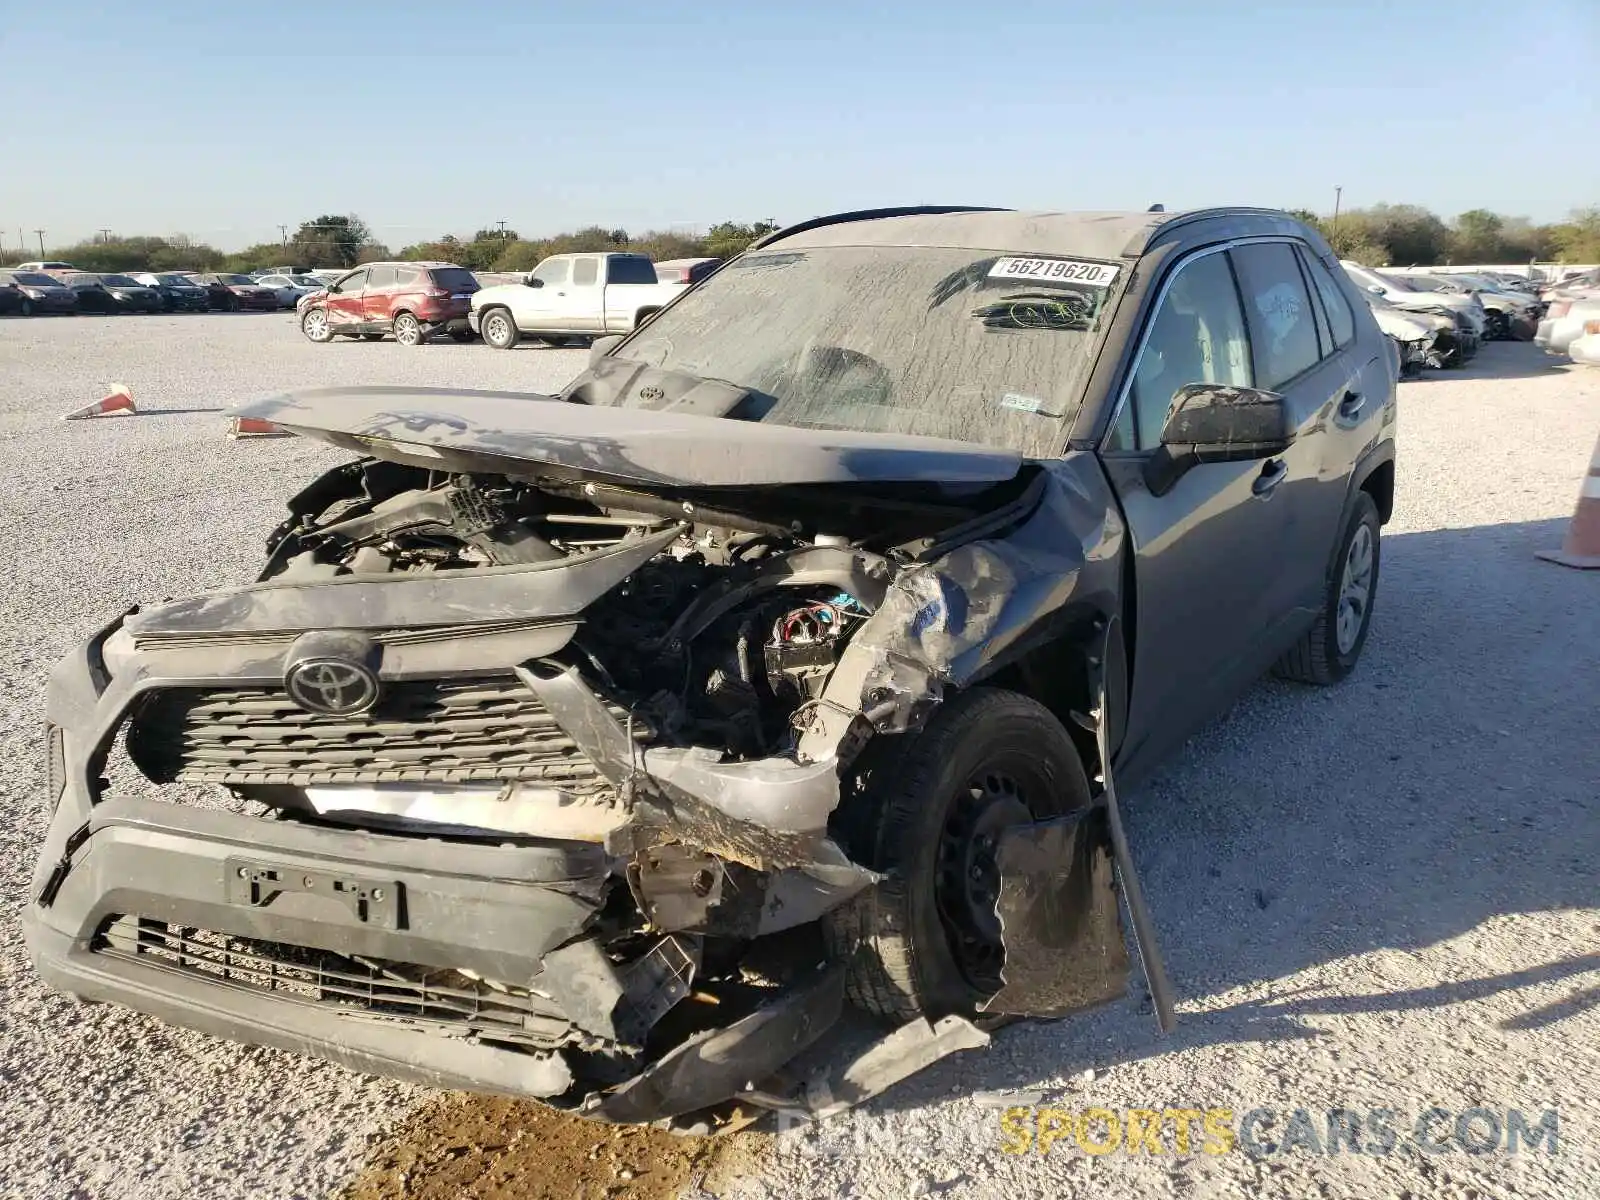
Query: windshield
(119, 281)
(235, 280)
(941, 342)
(174, 281)
(34, 279)
(304, 281)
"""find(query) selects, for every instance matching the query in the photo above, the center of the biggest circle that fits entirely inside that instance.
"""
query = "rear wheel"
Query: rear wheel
(499, 329)
(408, 330)
(926, 810)
(1331, 647)
(314, 324)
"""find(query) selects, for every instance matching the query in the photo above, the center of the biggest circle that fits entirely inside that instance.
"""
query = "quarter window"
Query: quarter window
(1278, 308)
(1198, 335)
(1340, 318)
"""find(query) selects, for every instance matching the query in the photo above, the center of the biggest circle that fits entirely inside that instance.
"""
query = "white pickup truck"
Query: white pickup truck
(571, 295)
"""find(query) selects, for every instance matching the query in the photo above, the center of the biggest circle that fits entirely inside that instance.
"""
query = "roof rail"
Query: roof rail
(871, 214)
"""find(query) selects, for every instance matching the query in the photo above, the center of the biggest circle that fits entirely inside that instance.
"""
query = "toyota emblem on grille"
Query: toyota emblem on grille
(651, 393)
(334, 686)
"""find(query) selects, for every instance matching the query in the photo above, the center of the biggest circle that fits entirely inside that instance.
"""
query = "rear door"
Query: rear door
(1207, 552)
(344, 301)
(1293, 357)
(378, 300)
(585, 304)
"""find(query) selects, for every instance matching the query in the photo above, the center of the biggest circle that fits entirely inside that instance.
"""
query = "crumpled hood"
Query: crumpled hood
(1409, 326)
(527, 434)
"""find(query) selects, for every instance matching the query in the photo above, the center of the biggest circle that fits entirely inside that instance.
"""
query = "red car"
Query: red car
(412, 300)
(230, 293)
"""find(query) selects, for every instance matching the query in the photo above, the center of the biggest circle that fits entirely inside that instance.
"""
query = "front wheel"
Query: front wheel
(926, 810)
(1331, 647)
(499, 329)
(314, 324)
(27, 308)
(408, 330)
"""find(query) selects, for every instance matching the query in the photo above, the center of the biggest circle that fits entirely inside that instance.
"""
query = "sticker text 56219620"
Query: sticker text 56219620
(1055, 270)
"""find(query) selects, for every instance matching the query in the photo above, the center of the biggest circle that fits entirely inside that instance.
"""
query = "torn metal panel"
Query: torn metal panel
(1059, 917)
(619, 1004)
(895, 1057)
(714, 1066)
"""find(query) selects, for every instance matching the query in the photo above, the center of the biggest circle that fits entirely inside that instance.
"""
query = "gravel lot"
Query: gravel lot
(1378, 896)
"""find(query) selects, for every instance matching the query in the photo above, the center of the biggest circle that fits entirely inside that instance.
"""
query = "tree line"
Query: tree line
(334, 240)
(1382, 235)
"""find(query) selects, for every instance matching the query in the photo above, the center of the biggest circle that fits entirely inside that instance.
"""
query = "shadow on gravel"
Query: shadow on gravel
(1500, 360)
(1446, 785)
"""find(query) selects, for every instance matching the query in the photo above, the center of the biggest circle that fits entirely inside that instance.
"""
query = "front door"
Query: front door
(539, 305)
(1207, 551)
(344, 301)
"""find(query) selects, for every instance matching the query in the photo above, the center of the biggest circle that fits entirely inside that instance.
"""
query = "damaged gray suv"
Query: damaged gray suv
(615, 747)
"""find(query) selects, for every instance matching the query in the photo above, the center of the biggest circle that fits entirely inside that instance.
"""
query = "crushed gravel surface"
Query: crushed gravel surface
(1378, 896)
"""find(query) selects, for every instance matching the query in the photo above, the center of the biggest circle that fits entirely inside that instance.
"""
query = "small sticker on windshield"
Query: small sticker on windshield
(1030, 404)
(1055, 270)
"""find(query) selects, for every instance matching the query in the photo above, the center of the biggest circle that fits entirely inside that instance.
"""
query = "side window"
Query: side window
(553, 271)
(380, 277)
(630, 268)
(1282, 327)
(1341, 320)
(349, 284)
(585, 271)
(1198, 335)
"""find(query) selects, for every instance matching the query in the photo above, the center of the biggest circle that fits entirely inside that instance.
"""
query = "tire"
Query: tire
(408, 330)
(913, 945)
(26, 309)
(1330, 649)
(462, 336)
(499, 329)
(314, 324)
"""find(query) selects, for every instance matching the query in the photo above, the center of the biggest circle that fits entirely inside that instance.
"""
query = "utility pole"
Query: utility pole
(502, 229)
(1337, 192)
(105, 235)
(40, 232)
(283, 232)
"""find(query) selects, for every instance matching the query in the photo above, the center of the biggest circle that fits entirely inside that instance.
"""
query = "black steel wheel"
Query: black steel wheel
(926, 810)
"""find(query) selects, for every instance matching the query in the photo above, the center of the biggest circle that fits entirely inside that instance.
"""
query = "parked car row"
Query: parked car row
(35, 289)
(565, 297)
(1430, 328)
(1570, 325)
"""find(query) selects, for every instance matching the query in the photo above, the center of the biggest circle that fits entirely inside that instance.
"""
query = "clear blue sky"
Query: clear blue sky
(224, 120)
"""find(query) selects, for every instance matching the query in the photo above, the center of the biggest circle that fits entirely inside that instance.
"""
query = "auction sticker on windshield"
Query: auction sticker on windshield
(1055, 270)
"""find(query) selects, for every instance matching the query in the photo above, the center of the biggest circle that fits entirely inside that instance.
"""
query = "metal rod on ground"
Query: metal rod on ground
(1144, 932)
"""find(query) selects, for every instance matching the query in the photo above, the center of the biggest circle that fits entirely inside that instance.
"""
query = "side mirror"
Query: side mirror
(532, 282)
(603, 346)
(1216, 423)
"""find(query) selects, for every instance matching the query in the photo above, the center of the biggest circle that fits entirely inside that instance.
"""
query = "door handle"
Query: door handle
(1273, 472)
(1350, 407)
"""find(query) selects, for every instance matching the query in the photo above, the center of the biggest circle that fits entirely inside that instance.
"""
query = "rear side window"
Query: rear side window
(408, 277)
(1341, 320)
(630, 269)
(381, 277)
(1198, 335)
(454, 279)
(1282, 327)
(585, 271)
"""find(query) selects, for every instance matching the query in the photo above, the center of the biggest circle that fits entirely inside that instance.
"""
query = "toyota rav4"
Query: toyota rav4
(609, 747)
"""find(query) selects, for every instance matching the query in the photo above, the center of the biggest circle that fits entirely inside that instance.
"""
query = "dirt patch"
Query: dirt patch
(463, 1147)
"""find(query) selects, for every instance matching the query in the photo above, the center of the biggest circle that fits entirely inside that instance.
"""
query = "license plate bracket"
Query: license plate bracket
(370, 901)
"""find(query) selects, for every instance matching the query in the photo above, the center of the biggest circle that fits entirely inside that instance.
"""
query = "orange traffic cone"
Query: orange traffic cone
(1582, 547)
(118, 403)
(254, 427)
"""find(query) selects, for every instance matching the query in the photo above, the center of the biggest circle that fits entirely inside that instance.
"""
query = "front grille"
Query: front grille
(372, 987)
(479, 730)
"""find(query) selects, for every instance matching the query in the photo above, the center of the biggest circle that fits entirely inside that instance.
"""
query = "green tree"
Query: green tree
(730, 238)
(331, 240)
(1479, 237)
(1577, 240)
